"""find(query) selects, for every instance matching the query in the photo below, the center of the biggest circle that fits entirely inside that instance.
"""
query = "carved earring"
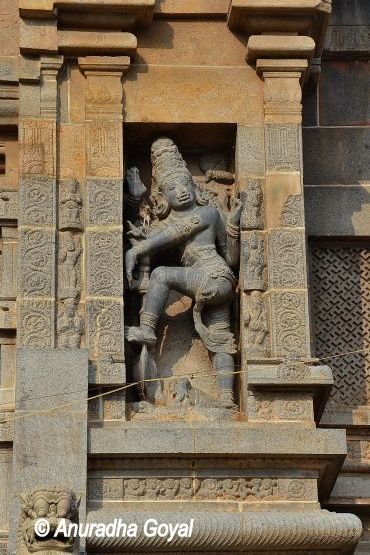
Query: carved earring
(161, 208)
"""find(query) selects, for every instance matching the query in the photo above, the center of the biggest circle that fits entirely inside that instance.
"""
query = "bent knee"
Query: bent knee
(159, 274)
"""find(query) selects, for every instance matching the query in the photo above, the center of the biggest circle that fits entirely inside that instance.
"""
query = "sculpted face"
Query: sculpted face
(180, 193)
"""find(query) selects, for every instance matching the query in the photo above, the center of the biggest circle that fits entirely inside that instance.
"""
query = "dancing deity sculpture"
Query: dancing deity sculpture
(208, 242)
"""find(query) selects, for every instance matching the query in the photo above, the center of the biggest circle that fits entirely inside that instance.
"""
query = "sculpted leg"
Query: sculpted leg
(218, 317)
(162, 280)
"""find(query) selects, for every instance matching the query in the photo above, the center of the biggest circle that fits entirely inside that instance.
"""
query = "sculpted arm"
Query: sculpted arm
(169, 237)
(228, 235)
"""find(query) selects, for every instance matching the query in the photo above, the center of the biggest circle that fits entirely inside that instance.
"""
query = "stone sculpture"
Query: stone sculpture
(70, 327)
(252, 217)
(70, 205)
(53, 505)
(69, 256)
(255, 264)
(209, 246)
(256, 322)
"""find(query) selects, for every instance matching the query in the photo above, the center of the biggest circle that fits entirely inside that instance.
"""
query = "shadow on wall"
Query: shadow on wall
(337, 210)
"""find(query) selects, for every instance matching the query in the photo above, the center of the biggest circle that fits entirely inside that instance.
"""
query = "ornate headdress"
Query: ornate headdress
(167, 162)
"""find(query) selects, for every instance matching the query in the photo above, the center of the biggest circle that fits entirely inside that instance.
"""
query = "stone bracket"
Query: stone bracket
(294, 377)
(281, 17)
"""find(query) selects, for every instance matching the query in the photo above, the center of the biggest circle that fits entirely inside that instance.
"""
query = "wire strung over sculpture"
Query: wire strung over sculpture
(208, 241)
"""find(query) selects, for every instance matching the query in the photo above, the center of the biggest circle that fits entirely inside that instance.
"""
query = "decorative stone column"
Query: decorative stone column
(104, 230)
(275, 315)
(36, 301)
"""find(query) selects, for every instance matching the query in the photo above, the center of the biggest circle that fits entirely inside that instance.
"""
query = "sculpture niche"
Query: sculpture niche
(208, 245)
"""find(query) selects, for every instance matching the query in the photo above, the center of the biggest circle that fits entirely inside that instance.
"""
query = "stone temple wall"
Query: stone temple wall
(267, 104)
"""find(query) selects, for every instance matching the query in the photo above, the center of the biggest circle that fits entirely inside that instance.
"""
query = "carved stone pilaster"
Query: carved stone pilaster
(38, 199)
(104, 229)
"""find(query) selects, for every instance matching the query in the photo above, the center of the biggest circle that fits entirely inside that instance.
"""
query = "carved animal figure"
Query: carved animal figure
(53, 505)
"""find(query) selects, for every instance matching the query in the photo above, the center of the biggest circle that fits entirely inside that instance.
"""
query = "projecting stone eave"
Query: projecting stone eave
(303, 17)
(113, 14)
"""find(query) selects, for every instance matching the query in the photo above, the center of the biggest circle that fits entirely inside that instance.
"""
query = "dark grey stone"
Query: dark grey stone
(335, 155)
(338, 211)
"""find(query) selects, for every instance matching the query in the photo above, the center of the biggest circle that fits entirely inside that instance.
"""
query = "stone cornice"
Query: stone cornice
(127, 13)
(299, 17)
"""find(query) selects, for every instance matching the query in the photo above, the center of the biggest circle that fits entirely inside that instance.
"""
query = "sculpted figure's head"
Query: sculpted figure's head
(171, 175)
(53, 505)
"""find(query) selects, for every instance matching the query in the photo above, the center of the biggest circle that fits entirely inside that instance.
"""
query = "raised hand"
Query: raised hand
(136, 187)
(131, 260)
(236, 210)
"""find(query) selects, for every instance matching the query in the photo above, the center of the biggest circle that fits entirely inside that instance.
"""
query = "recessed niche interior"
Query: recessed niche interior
(179, 350)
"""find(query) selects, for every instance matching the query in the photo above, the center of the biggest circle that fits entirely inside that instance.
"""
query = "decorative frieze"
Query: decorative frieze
(38, 147)
(37, 195)
(233, 488)
(292, 213)
(287, 259)
(104, 264)
(290, 324)
(37, 248)
(36, 324)
(274, 407)
(104, 153)
(104, 202)
(283, 148)
(105, 327)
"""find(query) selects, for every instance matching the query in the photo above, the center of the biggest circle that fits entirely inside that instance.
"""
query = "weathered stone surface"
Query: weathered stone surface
(7, 315)
(347, 40)
(283, 148)
(210, 439)
(340, 81)
(335, 211)
(5, 480)
(66, 462)
(8, 68)
(36, 324)
(8, 263)
(7, 371)
(249, 160)
(9, 205)
(284, 200)
(37, 201)
(335, 155)
(39, 36)
(87, 42)
(290, 329)
(273, 46)
(104, 202)
(37, 266)
(149, 92)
